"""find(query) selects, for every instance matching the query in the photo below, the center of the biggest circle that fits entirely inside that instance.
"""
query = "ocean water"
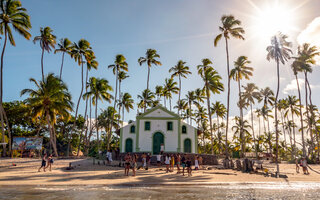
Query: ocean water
(298, 191)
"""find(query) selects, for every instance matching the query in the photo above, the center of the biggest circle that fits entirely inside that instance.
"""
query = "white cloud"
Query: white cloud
(292, 86)
(311, 35)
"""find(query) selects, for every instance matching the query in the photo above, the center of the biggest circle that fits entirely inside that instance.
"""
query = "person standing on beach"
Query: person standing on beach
(196, 163)
(305, 166)
(127, 160)
(297, 165)
(43, 163)
(200, 162)
(189, 170)
(134, 164)
(172, 163)
(50, 162)
(144, 160)
(159, 160)
(161, 149)
(148, 160)
(178, 163)
(167, 162)
(183, 162)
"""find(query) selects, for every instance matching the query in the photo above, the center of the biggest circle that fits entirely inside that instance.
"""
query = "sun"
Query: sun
(272, 18)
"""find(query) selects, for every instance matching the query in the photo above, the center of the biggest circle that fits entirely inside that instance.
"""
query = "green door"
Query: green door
(187, 146)
(158, 139)
(128, 145)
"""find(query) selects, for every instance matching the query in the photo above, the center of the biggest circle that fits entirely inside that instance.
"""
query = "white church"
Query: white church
(158, 126)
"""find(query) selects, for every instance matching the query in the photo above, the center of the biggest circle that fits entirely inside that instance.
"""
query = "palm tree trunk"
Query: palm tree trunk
(51, 135)
(301, 118)
(114, 107)
(209, 112)
(97, 127)
(148, 77)
(179, 94)
(308, 114)
(243, 148)
(76, 114)
(228, 98)
(276, 119)
(254, 139)
(62, 65)
(293, 130)
(219, 135)
(42, 63)
(1, 93)
(9, 131)
(85, 110)
(170, 103)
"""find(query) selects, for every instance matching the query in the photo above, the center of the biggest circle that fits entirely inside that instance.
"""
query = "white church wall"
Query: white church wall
(158, 113)
(126, 134)
(190, 134)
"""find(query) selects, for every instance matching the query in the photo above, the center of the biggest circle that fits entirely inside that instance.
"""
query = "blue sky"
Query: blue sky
(177, 29)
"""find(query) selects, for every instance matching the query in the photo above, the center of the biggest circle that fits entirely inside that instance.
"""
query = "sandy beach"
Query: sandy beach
(85, 173)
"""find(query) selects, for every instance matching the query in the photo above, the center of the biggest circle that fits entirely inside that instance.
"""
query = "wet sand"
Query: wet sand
(25, 173)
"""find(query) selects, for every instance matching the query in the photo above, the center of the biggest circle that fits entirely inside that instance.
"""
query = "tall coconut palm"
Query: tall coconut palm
(241, 70)
(171, 88)
(47, 41)
(80, 52)
(126, 103)
(251, 93)
(150, 59)
(180, 70)
(230, 28)
(220, 110)
(120, 64)
(50, 99)
(267, 96)
(99, 90)
(212, 83)
(292, 103)
(303, 63)
(280, 51)
(65, 46)
(12, 15)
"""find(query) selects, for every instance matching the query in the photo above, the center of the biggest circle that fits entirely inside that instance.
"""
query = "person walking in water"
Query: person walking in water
(43, 163)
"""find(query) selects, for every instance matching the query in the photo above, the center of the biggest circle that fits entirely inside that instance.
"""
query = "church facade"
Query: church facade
(155, 128)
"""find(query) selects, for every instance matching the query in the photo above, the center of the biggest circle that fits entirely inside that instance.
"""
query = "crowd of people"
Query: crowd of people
(182, 162)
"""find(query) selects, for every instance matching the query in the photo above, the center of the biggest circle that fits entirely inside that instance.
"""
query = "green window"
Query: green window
(147, 126)
(133, 129)
(169, 126)
(184, 129)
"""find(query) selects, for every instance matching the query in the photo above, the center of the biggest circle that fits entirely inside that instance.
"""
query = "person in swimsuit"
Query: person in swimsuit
(172, 163)
(200, 162)
(183, 163)
(178, 163)
(134, 164)
(50, 162)
(144, 160)
(148, 160)
(167, 162)
(43, 163)
(127, 160)
(297, 166)
(188, 164)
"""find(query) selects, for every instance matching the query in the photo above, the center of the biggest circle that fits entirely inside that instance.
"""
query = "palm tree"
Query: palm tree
(47, 41)
(50, 99)
(279, 50)
(126, 103)
(180, 70)
(230, 27)
(159, 92)
(292, 103)
(150, 59)
(220, 110)
(267, 96)
(80, 51)
(65, 46)
(12, 14)
(99, 90)
(303, 63)
(212, 83)
(237, 73)
(170, 87)
(146, 99)
(251, 93)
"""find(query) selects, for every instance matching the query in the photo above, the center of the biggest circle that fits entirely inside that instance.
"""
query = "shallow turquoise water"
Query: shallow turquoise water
(297, 191)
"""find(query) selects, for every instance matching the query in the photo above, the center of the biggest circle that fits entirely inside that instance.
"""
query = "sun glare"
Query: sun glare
(274, 18)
